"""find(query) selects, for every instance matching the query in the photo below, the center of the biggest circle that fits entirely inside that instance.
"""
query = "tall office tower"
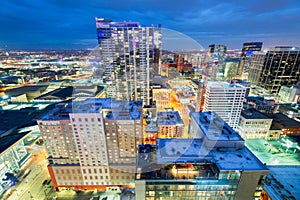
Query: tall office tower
(226, 100)
(281, 67)
(129, 56)
(247, 51)
(216, 60)
(92, 143)
(213, 164)
(256, 66)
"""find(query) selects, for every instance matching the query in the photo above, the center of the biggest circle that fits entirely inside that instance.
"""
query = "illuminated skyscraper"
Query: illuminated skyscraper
(216, 60)
(247, 51)
(280, 67)
(92, 143)
(256, 66)
(225, 99)
(129, 56)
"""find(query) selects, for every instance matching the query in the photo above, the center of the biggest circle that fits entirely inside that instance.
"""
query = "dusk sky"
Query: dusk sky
(67, 24)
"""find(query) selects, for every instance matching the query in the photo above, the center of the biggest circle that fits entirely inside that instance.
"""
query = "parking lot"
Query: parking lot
(272, 152)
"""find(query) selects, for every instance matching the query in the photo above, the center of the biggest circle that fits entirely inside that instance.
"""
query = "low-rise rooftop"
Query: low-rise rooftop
(284, 121)
(191, 150)
(283, 182)
(152, 127)
(70, 92)
(189, 159)
(214, 127)
(253, 114)
(24, 116)
(259, 100)
(112, 109)
(169, 118)
(289, 108)
(26, 89)
(57, 94)
(20, 106)
(11, 137)
(161, 86)
(274, 152)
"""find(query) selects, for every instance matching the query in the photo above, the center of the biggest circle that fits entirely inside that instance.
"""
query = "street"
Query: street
(31, 186)
(182, 111)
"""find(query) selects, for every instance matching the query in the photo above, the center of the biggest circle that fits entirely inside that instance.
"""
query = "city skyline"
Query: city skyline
(160, 100)
(69, 24)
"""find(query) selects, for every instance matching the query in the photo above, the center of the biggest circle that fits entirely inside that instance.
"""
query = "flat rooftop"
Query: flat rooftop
(169, 118)
(60, 112)
(187, 159)
(25, 89)
(284, 120)
(273, 152)
(283, 182)
(112, 109)
(181, 150)
(239, 81)
(59, 94)
(222, 85)
(259, 100)
(253, 114)
(19, 106)
(152, 127)
(10, 138)
(289, 107)
(214, 127)
(148, 168)
(71, 92)
(22, 117)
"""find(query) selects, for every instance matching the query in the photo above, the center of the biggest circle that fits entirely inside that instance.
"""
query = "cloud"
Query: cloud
(71, 22)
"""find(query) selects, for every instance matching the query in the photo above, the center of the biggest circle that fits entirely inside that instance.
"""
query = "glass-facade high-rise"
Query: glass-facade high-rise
(129, 56)
(216, 55)
(256, 66)
(280, 66)
(247, 51)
